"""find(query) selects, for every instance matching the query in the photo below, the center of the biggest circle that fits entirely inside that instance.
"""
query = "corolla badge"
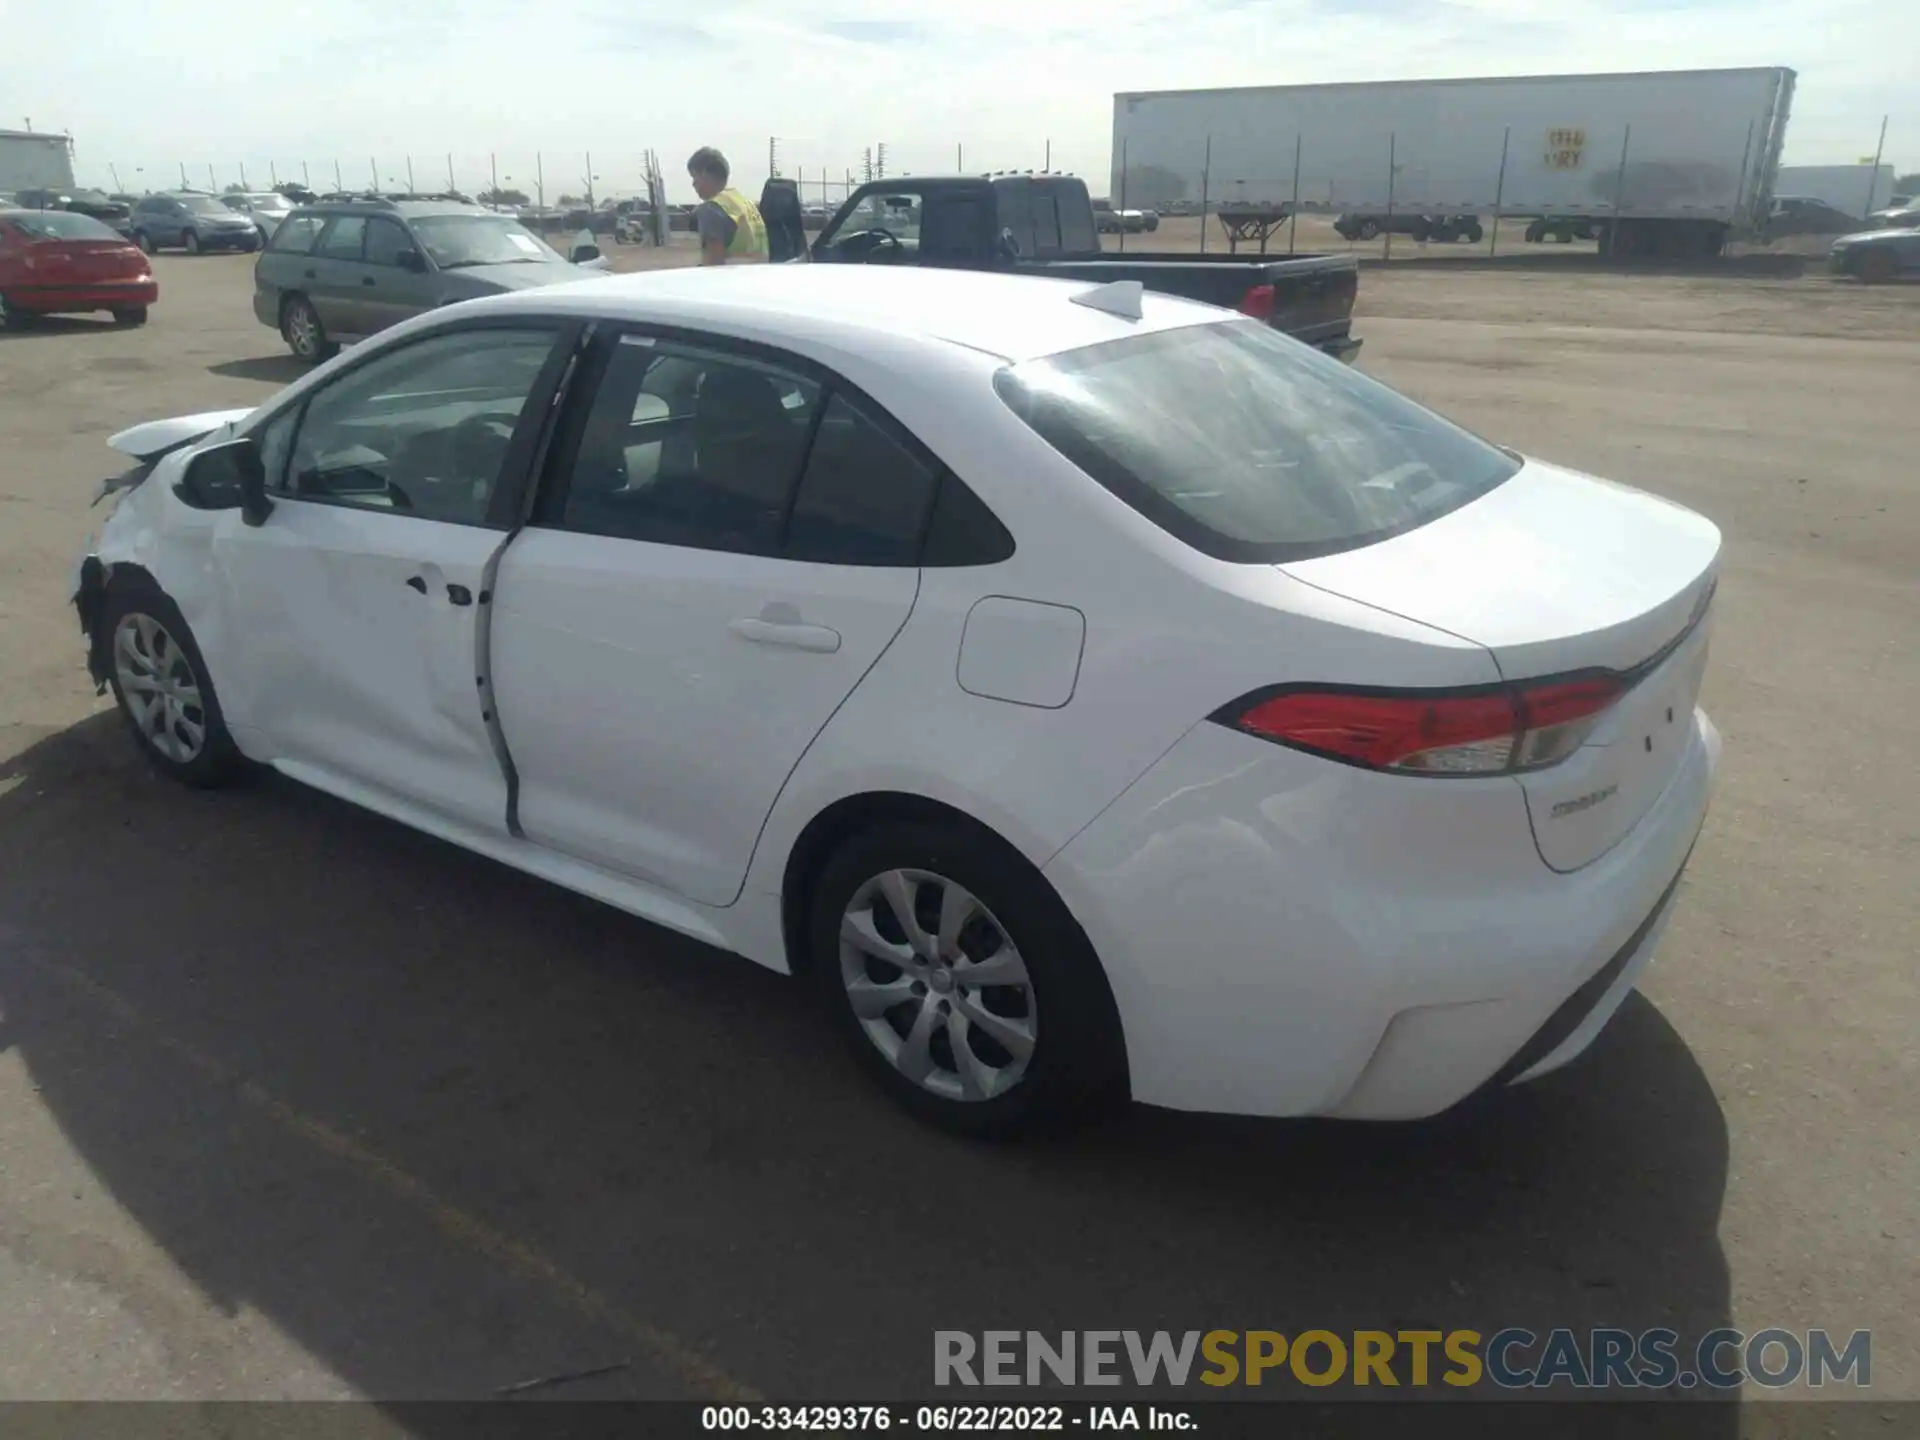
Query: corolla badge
(1583, 802)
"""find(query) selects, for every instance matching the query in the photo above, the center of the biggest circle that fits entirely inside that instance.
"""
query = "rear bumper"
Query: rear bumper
(247, 239)
(1288, 937)
(101, 295)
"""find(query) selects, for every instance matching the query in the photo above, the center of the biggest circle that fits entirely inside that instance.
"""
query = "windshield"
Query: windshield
(63, 225)
(1249, 445)
(457, 240)
(203, 204)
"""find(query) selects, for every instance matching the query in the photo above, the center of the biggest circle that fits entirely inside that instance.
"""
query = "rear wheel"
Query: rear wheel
(1877, 267)
(1536, 232)
(304, 334)
(160, 682)
(1369, 229)
(1475, 234)
(962, 983)
(130, 315)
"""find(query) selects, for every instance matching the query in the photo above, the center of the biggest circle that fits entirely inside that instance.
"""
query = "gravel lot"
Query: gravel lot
(294, 1102)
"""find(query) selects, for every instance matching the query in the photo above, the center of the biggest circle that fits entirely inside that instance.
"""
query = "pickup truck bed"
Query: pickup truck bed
(1044, 225)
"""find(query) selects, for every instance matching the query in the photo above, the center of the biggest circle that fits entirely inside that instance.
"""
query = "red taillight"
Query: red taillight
(1481, 732)
(1258, 302)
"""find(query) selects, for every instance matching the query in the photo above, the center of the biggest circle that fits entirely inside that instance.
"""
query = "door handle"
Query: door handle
(416, 582)
(816, 638)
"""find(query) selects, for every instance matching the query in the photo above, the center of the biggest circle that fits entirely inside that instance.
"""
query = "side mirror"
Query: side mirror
(227, 476)
(583, 253)
(411, 260)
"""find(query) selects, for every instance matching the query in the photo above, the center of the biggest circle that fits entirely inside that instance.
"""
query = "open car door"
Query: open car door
(780, 208)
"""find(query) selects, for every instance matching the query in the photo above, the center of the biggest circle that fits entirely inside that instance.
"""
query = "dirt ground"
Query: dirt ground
(297, 1103)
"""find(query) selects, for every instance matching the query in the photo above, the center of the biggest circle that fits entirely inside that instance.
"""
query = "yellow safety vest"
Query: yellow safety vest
(749, 230)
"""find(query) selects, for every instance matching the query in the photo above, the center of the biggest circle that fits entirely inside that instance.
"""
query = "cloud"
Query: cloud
(514, 87)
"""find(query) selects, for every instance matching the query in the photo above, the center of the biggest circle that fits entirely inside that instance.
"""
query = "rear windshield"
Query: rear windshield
(63, 225)
(1248, 445)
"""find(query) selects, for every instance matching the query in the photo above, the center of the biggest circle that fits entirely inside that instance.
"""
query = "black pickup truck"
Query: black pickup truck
(1044, 225)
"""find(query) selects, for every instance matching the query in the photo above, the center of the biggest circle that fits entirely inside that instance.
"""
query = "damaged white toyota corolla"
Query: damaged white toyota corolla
(1092, 693)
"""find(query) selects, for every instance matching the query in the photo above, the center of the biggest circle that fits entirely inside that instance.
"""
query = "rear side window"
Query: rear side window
(863, 497)
(1248, 445)
(295, 235)
(343, 238)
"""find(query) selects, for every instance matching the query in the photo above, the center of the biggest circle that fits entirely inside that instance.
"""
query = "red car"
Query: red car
(54, 261)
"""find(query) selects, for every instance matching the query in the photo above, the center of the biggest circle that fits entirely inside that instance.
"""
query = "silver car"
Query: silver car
(267, 208)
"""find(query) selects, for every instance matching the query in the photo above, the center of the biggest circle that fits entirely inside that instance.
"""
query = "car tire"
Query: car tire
(967, 1073)
(306, 337)
(161, 684)
(130, 315)
(1369, 229)
(192, 241)
(1877, 267)
(1475, 234)
(144, 241)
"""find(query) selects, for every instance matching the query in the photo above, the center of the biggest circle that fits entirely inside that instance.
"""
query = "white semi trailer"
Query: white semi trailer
(30, 161)
(1666, 163)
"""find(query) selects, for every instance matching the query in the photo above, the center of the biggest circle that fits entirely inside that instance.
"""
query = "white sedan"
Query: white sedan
(1090, 693)
(267, 208)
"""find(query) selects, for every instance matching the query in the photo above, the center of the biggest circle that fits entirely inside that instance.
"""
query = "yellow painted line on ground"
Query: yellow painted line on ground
(664, 1348)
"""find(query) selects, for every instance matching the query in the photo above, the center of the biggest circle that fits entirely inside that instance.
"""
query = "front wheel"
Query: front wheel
(160, 683)
(193, 242)
(144, 241)
(962, 983)
(1369, 229)
(1475, 234)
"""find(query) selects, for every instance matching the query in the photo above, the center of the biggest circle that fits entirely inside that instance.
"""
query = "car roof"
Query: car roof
(1011, 317)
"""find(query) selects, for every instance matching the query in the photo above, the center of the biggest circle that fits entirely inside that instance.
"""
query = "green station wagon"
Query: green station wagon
(343, 270)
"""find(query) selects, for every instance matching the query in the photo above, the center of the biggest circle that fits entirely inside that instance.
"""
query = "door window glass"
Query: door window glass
(385, 241)
(295, 234)
(342, 240)
(688, 447)
(863, 499)
(422, 430)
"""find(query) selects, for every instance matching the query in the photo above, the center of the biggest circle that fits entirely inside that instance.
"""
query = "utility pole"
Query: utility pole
(373, 168)
(880, 161)
(866, 165)
(1048, 166)
(410, 189)
(773, 157)
(116, 178)
(540, 181)
(450, 185)
(243, 176)
(1873, 174)
(212, 184)
(338, 183)
(183, 176)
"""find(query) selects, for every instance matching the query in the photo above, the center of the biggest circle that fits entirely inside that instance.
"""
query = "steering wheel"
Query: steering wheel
(871, 242)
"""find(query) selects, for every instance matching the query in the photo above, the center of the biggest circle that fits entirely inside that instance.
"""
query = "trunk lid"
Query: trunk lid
(82, 262)
(1553, 573)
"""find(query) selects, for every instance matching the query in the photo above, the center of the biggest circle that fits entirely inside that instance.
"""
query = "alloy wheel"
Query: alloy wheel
(937, 985)
(159, 688)
(303, 331)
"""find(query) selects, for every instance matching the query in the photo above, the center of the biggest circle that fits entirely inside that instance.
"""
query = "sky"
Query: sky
(514, 88)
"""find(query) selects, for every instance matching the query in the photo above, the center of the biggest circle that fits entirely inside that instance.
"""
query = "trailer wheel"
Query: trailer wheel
(1475, 234)
(1536, 232)
(1369, 229)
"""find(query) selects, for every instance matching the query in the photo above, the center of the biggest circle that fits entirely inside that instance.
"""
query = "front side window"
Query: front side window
(1248, 445)
(688, 447)
(385, 240)
(203, 205)
(883, 225)
(422, 430)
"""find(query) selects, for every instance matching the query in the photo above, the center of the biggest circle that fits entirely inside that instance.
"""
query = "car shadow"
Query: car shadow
(450, 1128)
(42, 327)
(274, 369)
